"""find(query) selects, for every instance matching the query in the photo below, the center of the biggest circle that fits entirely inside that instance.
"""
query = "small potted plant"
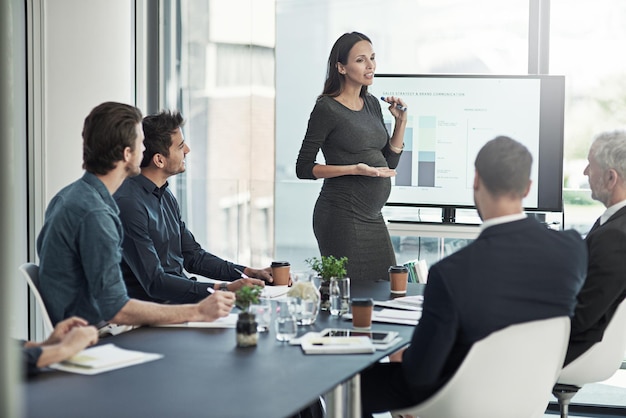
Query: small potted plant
(247, 334)
(327, 267)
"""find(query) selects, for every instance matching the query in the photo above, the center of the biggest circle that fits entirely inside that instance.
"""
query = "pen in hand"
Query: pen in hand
(243, 275)
(398, 105)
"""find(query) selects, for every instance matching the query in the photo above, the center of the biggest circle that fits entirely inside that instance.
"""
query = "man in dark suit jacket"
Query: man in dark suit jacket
(517, 270)
(605, 285)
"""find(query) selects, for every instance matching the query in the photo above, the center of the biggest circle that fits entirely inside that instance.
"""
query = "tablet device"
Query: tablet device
(377, 337)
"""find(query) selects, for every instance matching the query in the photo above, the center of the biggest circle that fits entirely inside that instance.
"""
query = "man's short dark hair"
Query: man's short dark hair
(503, 165)
(157, 131)
(108, 129)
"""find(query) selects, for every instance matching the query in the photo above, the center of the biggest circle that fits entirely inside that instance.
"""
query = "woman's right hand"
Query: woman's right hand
(365, 170)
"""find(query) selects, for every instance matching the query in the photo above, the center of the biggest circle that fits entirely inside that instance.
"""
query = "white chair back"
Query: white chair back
(603, 359)
(30, 272)
(509, 373)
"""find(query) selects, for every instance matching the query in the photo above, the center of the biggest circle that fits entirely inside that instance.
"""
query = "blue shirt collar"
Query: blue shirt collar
(93, 180)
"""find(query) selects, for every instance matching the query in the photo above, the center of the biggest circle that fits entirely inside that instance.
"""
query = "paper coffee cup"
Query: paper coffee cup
(362, 313)
(398, 278)
(280, 272)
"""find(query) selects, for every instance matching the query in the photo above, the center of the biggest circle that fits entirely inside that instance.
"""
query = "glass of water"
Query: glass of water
(339, 296)
(263, 313)
(286, 325)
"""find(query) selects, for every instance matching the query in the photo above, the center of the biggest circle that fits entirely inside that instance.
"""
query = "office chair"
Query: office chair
(509, 374)
(30, 272)
(598, 363)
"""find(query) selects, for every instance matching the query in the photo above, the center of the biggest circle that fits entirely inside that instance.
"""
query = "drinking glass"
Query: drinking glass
(339, 296)
(263, 313)
(307, 297)
(286, 325)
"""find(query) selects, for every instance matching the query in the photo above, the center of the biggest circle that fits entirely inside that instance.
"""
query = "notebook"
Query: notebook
(338, 345)
(103, 358)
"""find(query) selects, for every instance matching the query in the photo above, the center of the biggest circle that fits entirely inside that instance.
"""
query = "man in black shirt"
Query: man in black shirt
(158, 248)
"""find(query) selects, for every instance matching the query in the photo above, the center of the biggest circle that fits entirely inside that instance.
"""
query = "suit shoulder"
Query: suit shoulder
(571, 234)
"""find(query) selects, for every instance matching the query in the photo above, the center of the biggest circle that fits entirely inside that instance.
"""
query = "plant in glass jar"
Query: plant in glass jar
(307, 299)
(247, 334)
(327, 267)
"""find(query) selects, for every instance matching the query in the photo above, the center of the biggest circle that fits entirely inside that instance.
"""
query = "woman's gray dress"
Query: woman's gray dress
(347, 219)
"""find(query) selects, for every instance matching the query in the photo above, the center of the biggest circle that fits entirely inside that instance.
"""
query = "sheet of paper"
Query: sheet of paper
(103, 358)
(274, 291)
(397, 305)
(398, 314)
(409, 303)
(393, 316)
(229, 321)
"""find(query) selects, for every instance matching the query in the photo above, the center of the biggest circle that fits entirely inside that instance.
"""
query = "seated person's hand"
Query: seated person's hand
(62, 328)
(261, 274)
(397, 356)
(69, 337)
(239, 283)
(79, 338)
(215, 306)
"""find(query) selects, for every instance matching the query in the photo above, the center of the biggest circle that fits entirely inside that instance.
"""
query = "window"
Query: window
(225, 90)
(428, 36)
(584, 42)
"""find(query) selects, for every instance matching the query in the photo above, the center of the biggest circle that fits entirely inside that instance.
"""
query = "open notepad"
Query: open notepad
(103, 358)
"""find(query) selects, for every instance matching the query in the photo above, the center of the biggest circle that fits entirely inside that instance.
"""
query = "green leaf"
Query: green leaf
(247, 295)
(328, 266)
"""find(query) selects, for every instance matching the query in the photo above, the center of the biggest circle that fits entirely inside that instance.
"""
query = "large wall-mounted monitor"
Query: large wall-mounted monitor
(452, 116)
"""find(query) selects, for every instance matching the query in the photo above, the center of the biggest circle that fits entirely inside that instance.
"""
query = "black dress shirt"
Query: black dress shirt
(158, 247)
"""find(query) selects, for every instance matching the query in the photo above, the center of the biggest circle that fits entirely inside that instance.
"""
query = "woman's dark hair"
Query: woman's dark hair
(157, 131)
(108, 129)
(339, 53)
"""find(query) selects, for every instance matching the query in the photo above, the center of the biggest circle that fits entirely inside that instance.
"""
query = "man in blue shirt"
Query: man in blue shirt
(79, 245)
(158, 247)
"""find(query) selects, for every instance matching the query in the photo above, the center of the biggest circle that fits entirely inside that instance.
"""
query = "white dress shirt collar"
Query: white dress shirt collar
(610, 211)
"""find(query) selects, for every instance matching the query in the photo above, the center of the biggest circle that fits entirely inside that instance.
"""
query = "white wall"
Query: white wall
(88, 58)
(82, 54)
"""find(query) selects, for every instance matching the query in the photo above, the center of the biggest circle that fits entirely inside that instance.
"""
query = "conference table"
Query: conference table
(204, 374)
